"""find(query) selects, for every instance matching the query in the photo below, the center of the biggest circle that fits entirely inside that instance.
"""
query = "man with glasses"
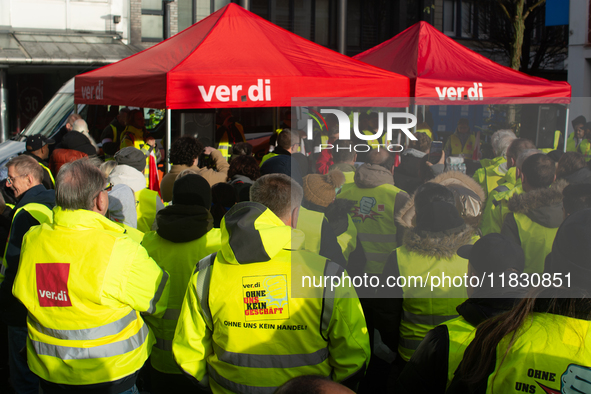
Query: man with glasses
(85, 281)
(35, 202)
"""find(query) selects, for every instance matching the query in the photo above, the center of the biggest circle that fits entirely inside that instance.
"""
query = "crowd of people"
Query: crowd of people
(114, 281)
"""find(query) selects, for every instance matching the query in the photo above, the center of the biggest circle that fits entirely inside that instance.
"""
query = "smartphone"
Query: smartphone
(436, 146)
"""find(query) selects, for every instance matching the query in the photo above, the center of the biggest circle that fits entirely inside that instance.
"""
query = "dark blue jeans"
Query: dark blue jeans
(23, 380)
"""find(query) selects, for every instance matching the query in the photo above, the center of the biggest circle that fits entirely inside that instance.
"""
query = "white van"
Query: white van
(47, 122)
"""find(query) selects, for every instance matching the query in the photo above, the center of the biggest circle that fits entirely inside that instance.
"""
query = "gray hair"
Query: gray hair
(72, 118)
(26, 165)
(500, 141)
(80, 126)
(77, 184)
(524, 155)
(278, 192)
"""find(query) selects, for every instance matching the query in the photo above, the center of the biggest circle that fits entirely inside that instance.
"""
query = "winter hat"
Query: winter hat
(321, 189)
(494, 253)
(571, 250)
(579, 120)
(191, 189)
(435, 209)
(132, 157)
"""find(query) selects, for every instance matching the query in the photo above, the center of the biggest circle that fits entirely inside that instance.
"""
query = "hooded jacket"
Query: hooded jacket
(185, 235)
(469, 196)
(583, 175)
(127, 175)
(543, 207)
(78, 141)
(246, 291)
(425, 245)
(428, 369)
(122, 205)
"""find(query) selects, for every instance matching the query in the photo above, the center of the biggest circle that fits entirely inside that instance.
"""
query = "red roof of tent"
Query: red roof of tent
(234, 58)
(435, 63)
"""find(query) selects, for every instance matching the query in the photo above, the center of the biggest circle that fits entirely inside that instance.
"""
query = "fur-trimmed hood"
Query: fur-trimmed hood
(543, 206)
(469, 195)
(441, 245)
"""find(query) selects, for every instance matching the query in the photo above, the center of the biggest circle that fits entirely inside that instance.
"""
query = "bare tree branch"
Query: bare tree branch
(500, 2)
(533, 7)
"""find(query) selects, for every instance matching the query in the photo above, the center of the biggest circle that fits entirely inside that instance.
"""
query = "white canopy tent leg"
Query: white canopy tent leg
(566, 127)
(168, 138)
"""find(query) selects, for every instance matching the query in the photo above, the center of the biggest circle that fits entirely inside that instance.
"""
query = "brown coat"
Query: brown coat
(211, 176)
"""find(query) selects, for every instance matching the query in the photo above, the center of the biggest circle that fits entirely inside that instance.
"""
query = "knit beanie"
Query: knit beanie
(321, 189)
(191, 189)
(132, 157)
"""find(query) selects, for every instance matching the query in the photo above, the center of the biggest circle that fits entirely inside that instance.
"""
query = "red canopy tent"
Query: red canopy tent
(440, 68)
(234, 58)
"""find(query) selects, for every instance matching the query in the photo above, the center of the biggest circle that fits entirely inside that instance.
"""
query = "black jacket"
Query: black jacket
(12, 312)
(77, 141)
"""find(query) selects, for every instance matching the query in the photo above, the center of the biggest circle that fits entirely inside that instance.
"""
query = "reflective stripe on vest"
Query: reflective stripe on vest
(158, 294)
(88, 333)
(115, 133)
(373, 216)
(270, 360)
(203, 280)
(40, 213)
(146, 209)
(237, 387)
(460, 334)
(49, 172)
(431, 320)
(77, 353)
(310, 223)
(331, 269)
(458, 149)
(424, 309)
(536, 242)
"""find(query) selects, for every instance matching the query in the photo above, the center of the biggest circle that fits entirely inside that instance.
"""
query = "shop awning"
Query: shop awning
(62, 48)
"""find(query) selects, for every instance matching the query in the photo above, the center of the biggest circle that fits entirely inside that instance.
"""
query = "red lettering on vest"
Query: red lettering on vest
(52, 284)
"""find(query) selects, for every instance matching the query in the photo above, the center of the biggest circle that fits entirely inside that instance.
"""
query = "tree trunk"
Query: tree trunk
(518, 29)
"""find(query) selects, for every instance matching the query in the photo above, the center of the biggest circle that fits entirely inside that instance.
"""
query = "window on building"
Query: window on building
(152, 20)
(187, 16)
(460, 18)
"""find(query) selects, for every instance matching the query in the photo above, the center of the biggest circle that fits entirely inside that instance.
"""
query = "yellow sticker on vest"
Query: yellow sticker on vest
(265, 297)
